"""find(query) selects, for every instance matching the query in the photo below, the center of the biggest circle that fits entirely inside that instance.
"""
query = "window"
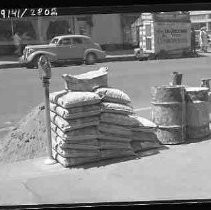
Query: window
(5, 30)
(56, 28)
(148, 30)
(54, 41)
(87, 41)
(148, 44)
(77, 40)
(65, 41)
(25, 28)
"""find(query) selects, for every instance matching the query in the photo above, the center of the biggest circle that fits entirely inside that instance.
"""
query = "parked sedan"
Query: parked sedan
(64, 48)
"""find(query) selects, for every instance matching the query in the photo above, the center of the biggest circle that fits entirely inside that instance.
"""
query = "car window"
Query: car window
(54, 41)
(87, 41)
(77, 40)
(65, 41)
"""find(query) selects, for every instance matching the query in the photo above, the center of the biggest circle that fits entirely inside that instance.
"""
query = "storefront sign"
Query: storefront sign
(172, 35)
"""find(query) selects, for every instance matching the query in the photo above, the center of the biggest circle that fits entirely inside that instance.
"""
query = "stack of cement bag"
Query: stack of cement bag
(74, 120)
(91, 121)
(115, 123)
(144, 135)
(114, 128)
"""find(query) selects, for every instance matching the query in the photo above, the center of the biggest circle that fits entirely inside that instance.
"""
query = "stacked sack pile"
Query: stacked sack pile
(115, 123)
(74, 120)
(91, 121)
(144, 135)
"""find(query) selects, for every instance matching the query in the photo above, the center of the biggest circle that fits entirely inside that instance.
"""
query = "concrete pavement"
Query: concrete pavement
(178, 172)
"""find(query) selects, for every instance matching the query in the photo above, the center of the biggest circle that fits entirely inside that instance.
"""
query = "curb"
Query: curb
(11, 65)
(107, 59)
(120, 58)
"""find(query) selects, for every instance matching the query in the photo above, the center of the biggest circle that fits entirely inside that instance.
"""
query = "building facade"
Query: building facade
(200, 19)
(109, 30)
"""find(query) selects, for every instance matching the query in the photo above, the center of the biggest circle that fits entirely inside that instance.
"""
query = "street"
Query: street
(21, 89)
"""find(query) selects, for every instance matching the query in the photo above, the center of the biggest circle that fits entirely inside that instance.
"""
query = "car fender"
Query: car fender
(99, 53)
(51, 56)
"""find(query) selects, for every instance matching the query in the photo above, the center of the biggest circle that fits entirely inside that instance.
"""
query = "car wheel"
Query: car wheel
(33, 63)
(91, 58)
(29, 65)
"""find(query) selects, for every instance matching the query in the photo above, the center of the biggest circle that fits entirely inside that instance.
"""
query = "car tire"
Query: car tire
(33, 63)
(91, 58)
(29, 65)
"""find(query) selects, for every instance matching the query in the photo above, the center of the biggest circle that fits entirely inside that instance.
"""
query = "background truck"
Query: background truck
(162, 35)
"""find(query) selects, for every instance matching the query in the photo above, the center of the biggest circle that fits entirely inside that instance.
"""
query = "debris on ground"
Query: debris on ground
(27, 140)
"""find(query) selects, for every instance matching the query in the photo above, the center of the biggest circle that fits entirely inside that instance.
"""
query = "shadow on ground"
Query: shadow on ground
(197, 140)
(137, 155)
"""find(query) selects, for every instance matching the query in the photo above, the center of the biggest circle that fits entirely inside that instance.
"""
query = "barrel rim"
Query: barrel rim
(194, 89)
(169, 86)
(167, 103)
(172, 126)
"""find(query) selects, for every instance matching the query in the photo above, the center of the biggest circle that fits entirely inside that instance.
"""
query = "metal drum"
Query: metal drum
(168, 112)
(197, 109)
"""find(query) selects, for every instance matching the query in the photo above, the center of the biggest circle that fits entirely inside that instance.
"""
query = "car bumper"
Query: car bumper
(24, 60)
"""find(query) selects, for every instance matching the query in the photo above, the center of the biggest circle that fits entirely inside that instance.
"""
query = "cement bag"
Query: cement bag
(53, 97)
(76, 99)
(86, 133)
(119, 119)
(144, 146)
(136, 145)
(113, 137)
(103, 144)
(53, 127)
(58, 142)
(117, 130)
(149, 145)
(69, 125)
(116, 153)
(88, 81)
(84, 144)
(76, 112)
(69, 162)
(116, 108)
(53, 107)
(144, 136)
(144, 124)
(71, 153)
(113, 95)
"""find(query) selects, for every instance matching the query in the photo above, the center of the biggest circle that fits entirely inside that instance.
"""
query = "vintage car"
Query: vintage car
(64, 48)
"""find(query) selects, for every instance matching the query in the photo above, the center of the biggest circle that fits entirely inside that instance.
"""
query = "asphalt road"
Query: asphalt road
(21, 89)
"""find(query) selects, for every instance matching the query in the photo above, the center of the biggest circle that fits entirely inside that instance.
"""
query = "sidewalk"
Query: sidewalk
(179, 172)
(9, 62)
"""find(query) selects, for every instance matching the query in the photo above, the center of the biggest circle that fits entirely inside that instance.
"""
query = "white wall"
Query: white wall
(107, 29)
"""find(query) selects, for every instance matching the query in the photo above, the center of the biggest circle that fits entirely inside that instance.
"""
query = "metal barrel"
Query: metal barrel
(209, 105)
(168, 112)
(197, 109)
